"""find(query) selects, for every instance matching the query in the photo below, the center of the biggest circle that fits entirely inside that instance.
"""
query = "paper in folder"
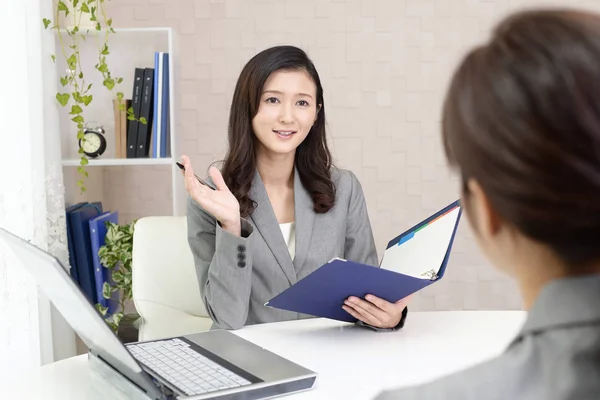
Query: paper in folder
(413, 260)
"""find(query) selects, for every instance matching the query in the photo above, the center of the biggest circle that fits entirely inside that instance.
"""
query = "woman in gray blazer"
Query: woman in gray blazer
(522, 126)
(278, 210)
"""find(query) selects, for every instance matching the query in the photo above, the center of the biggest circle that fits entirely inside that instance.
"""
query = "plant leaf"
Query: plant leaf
(76, 110)
(101, 309)
(120, 96)
(63, 98)
(62, 6)
(64, 81)
(53, 57)
(143, 120)
(105, 50)
(46, 23)
(106, 290)
(72, 61)
(109, 83)
(87, 99)
(78, 119)
(85, 8)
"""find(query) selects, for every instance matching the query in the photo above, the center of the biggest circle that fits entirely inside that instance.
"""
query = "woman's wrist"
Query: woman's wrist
(233, 226)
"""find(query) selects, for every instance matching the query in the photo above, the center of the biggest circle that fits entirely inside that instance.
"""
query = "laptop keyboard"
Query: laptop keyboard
(193, 373)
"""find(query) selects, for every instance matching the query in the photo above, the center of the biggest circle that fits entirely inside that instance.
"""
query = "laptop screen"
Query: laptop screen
(421, 250)
(58, 286)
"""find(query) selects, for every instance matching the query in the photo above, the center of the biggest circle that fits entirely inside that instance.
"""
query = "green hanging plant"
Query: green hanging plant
(76, 93)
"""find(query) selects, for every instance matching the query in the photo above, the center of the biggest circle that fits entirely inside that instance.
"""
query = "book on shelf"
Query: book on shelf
(149, 100)
(121, 127)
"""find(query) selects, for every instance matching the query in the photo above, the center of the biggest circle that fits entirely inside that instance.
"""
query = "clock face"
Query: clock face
(91, 142)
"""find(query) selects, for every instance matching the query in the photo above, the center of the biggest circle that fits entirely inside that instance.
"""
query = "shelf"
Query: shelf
(107, 162)
(91, 30)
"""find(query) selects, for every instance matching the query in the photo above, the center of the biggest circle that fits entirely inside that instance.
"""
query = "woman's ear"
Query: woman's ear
(485, 218)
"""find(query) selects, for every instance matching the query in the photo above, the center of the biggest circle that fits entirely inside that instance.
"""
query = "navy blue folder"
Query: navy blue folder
(83, 249)
(322, 293)
(71, 247)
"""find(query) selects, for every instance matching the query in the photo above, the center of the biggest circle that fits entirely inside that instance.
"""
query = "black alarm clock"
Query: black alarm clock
(93, 143)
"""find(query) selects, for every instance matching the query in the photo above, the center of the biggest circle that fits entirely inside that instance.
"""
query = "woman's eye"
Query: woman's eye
(272, 100)
(303, 103)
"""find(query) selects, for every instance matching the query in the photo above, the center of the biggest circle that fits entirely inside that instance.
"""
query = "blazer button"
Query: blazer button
(241, 248)
(241, 256)
(242, 264)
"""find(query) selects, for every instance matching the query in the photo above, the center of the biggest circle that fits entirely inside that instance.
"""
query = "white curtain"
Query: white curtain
(32, 333)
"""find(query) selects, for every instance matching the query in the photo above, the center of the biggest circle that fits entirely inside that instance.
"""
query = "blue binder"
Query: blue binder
(79, 220)
(322, 293)
(71, 246)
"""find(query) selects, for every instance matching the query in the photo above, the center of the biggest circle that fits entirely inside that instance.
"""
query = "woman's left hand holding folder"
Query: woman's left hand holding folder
(375, 311)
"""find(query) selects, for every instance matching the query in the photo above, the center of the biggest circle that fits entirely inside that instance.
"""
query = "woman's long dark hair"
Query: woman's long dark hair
(313, 158)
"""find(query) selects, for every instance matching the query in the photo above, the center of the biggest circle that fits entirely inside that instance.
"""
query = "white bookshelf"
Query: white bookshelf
(129, 48)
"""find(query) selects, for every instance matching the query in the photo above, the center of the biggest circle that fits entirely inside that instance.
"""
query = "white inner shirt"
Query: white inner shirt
(289, 236)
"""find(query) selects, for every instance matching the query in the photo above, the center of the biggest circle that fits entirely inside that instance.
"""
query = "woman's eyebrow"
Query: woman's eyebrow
(281, 93)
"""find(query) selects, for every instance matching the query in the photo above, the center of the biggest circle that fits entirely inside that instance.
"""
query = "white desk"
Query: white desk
(346, 357)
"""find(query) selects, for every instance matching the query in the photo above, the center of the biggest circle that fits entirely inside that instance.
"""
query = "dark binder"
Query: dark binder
(322, 293)
(70, 245)
(136, 104)
(83, 249)
(146, 111)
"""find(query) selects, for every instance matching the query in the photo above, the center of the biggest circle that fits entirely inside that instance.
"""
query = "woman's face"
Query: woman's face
(287, 111)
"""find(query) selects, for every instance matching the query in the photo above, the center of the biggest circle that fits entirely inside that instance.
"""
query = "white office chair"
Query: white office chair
(164, 283)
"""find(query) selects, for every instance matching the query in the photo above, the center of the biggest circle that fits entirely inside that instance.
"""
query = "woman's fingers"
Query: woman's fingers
(193, 187)
(370, 314)
(217, 178)
(356, 314)
(380, 303)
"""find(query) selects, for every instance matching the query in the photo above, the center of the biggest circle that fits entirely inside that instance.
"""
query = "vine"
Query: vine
(75, 92)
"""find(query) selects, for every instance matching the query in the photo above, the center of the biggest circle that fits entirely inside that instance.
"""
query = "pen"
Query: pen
(197, 177)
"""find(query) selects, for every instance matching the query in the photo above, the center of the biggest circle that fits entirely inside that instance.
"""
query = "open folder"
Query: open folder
(413, 260)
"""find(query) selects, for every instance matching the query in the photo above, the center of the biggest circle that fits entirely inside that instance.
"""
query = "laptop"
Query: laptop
(207, 365)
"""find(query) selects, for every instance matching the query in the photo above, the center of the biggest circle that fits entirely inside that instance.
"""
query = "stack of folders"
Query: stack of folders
(86, 233)
(150, 102)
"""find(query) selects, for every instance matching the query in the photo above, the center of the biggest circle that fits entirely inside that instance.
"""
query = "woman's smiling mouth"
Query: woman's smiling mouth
(284, 134)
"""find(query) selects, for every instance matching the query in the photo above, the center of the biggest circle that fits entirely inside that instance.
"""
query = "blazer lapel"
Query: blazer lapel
(304, 216)
(265, 221)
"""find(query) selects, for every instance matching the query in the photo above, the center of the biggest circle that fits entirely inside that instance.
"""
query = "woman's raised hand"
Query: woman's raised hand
(220, 203)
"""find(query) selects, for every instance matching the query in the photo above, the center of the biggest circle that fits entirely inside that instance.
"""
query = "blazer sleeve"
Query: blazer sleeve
(360, 243)
(223, 265)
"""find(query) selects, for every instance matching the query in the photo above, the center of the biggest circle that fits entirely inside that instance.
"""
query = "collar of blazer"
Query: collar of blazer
(565, 302)
(265, 221)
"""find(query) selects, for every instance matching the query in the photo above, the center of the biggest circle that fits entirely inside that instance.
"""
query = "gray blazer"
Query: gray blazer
(238, 275)
(555, 356)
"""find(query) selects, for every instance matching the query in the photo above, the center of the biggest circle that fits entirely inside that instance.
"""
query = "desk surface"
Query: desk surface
(432, 344)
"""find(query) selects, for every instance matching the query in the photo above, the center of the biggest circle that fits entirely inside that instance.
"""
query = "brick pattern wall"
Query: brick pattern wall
(384, 64)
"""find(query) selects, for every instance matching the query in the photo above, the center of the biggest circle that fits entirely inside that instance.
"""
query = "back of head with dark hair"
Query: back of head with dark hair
(522, 118)
(313, 158)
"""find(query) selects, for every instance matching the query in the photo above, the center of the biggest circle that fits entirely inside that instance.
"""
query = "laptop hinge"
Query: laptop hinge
(115, 379)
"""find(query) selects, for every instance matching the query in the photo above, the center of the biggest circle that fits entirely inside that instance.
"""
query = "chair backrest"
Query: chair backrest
(163, 270)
